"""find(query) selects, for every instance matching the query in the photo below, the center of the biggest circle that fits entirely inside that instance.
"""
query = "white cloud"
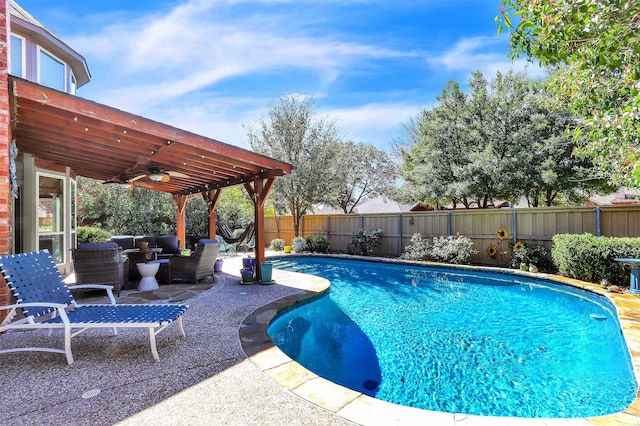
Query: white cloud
(200, 43)
(374, 123)
(487, 54)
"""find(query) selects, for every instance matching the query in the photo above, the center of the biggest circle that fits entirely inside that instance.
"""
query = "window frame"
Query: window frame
(41, 50)
(23, 47)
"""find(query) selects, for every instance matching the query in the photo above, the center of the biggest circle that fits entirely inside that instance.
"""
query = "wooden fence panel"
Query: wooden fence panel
(314, 225)
(427, 224)
(482, 227)
(619, 222)
(537, 225)
(389, 224)
(341, 227)
(278, 227)
(541, 224)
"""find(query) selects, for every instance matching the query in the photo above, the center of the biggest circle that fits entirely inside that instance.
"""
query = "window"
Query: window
(74, 84)
(50, 71)
(17, 56)
(51, 215)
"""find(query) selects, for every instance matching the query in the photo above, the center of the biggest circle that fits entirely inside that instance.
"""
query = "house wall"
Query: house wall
(6, 199)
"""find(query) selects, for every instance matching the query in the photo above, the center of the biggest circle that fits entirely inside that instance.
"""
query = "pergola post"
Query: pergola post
(181, 203)
(259, 190)
(211, 198)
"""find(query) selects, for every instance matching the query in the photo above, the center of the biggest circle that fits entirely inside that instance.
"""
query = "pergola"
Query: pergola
(105, 143)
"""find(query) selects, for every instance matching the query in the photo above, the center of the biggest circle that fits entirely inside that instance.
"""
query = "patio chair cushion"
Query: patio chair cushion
(124, 241)
(170, 245)
(207, 241)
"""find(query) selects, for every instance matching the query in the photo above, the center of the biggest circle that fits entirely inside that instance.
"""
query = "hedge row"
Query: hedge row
(589, 258)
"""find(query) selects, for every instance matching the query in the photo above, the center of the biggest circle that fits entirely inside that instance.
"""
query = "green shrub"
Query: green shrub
(419, 249)
(363, 242)
(456, 249)
(318, 244)
(86, 234)
(277, 244)
(538, 254)
(298, 244)
(589, 258)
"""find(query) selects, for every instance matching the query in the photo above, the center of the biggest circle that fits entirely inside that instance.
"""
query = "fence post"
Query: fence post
(399, 234)
(448, 224)
(515, 226)
(597, 221)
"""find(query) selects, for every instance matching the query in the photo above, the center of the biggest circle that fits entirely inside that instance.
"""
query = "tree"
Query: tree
(234, 208)
(500, 142)
(360, 171)
(595, 47)
(464, 143)
(545, 170)
(293, 133)
(120, 211)
(437, 141)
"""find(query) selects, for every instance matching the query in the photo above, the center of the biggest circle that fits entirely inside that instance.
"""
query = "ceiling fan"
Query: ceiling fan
(158, 174)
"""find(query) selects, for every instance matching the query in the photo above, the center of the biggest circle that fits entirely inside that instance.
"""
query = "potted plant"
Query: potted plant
(247, 276)
(217, 267)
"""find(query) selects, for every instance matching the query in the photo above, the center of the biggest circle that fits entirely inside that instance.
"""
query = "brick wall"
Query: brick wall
(5, 140)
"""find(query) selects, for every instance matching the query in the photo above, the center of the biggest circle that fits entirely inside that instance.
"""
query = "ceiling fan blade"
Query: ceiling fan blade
(136, 178)
(178, 174)
(144, 184)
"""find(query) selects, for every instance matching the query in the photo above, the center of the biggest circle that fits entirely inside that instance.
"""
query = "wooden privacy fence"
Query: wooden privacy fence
(533, 225)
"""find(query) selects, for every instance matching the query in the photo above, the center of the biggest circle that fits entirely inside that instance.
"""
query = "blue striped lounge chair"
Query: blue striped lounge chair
(47, 303)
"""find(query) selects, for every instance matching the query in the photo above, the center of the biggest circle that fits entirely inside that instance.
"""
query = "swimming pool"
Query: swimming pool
(442, 339)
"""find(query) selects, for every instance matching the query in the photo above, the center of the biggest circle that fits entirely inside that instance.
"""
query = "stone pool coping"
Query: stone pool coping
(365, 410)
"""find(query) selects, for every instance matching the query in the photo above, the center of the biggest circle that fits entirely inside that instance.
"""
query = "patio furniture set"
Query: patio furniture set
(120, 264)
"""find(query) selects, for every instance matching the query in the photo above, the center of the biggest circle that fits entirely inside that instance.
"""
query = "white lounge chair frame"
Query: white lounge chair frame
(35, 273)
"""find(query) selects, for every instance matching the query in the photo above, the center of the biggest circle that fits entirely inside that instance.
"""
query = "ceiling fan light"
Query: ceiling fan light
(156, 177)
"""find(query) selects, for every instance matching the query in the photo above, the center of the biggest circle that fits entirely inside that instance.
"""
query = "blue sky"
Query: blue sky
(212, 66)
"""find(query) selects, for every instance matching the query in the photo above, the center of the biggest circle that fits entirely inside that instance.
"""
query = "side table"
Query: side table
(148, 273)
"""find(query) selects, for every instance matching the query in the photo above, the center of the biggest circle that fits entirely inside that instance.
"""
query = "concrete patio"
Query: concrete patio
(204, 378)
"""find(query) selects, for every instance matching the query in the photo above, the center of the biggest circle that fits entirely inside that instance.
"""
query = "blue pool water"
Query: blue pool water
(459, 341)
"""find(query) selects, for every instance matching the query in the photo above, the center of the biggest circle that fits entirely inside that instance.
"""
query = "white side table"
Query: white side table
(148, 273)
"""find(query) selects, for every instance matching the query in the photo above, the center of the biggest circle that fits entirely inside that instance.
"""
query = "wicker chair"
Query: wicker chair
(100, 263)
(198, 265)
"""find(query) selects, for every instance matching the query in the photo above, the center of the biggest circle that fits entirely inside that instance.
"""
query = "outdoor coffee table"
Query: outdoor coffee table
(148, 273)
